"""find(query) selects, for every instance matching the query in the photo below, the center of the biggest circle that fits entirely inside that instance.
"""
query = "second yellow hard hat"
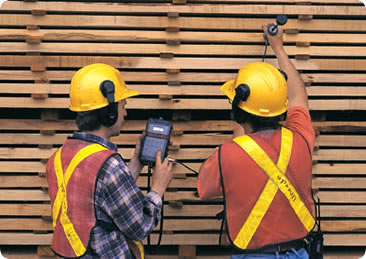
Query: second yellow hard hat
(268, 89)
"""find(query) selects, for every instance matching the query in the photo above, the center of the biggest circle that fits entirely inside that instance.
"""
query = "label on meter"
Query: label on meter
(156, 138)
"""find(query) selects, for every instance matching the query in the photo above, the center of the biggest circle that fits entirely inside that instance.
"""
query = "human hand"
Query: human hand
(136, 153)
(276, 41)
(134, 165)
(162, 175)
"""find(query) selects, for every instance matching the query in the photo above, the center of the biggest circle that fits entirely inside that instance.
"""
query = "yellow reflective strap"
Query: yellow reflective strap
(80, 156)
(256, 215)
(69, 230)
(61, 198)
(277, 180)
(140, 246)
(286, 147)
(72, 236)
(59, 175)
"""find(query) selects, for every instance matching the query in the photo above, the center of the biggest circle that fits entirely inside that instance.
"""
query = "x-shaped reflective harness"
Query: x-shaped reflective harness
(277, 181)
(61, 199)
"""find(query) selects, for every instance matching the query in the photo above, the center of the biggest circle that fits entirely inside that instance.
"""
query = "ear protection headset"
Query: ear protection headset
(242, 93)
(110, 116)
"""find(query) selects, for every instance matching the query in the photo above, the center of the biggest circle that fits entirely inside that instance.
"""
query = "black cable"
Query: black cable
(148, 190)
(149, 247)
(265, 49)
(317, 214)
(189, 168)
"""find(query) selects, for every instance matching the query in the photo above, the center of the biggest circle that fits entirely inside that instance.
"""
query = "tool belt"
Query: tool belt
(279, 248)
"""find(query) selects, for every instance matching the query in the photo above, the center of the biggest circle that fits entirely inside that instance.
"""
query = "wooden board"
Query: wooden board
(207, 23)
(184, 153)
(23, 167)
(174, 239)
(186, 210)
(198, 139)
(180, 62)
(343, 196)
(243, 9)
(186, 49)
(193, 225)
(23, 195)
(183, 90)
(183, 77)
(339, 169)
(185, 126)
(25, 210)
(300, 2)
(339, 183)
(176, 104)
(214, 253)
(75, 35)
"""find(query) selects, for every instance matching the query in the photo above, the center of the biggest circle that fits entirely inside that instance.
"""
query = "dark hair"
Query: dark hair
(92, 120)
(258, 122)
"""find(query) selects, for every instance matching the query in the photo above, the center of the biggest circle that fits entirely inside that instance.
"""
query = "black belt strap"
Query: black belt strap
(280, 248)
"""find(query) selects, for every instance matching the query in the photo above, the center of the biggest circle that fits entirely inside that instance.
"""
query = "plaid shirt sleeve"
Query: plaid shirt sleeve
(133, 213)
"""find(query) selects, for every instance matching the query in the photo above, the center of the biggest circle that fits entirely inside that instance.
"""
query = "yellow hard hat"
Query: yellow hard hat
(268, 89)
(85, 89)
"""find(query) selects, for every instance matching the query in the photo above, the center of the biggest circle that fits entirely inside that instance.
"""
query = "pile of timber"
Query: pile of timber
(177, 54)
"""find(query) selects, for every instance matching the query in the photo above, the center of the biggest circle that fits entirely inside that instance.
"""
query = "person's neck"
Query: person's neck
(102, 132)
(247, 128)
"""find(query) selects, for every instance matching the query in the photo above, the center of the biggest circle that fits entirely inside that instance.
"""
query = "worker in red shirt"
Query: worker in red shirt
(265, 172)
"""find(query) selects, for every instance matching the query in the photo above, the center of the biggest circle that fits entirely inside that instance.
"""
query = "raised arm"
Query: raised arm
(297, 95)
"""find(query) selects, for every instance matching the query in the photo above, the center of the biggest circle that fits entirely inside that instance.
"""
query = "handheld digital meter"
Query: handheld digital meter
(156, 138)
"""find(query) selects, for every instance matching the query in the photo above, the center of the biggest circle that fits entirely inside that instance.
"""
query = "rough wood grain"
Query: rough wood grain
(187, 9)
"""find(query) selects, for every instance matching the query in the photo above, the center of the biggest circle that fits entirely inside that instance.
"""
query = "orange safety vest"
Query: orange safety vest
(267, 202)
(74, 169)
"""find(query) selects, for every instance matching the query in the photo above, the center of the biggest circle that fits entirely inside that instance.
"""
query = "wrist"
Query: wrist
(135, 157)
(136, 161)
(159, 190)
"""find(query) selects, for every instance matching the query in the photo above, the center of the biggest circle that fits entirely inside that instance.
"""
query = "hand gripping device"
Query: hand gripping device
(280, 20)
(272, 29)
(157, 135)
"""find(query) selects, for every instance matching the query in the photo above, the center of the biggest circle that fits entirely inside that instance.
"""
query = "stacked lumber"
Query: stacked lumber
(177, 54)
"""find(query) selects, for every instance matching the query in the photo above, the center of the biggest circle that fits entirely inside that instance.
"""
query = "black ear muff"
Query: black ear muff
(242, 93)
(107, 88)
(284, 74)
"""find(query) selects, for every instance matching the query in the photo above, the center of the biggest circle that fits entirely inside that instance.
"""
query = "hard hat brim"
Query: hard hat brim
(129, 93)
(229, 89)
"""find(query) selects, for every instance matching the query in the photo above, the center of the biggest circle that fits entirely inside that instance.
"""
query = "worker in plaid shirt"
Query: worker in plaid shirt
(98, 211)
